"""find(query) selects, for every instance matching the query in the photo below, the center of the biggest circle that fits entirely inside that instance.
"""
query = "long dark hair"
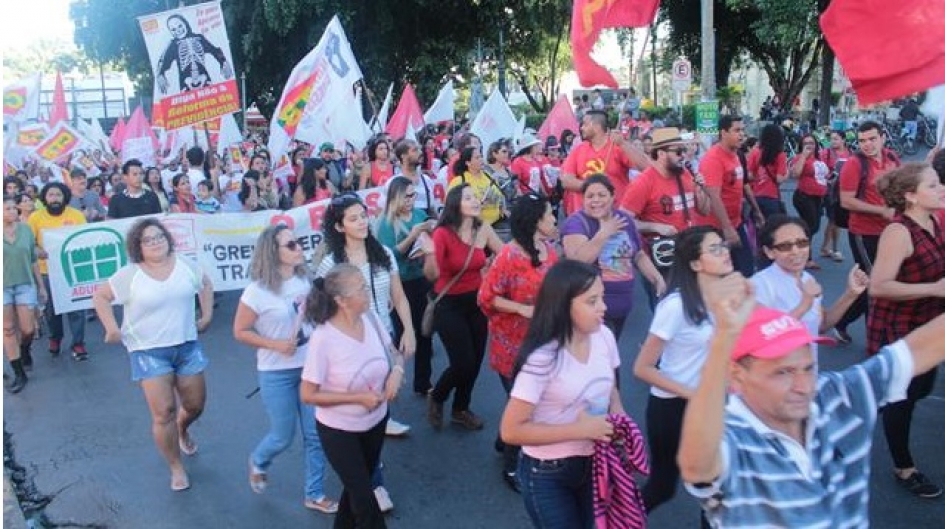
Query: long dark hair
(334, 215)
(309, 182)
(683, 278)
(526, 214)
(452, 215)
(245, 191)
(551, 322)
(462, 164)
(771, 143)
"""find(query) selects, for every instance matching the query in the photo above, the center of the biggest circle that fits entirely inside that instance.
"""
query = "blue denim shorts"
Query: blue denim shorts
(24, 295)
(184, 359)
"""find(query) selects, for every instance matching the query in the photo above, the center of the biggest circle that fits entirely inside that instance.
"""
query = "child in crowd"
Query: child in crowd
(206, 203)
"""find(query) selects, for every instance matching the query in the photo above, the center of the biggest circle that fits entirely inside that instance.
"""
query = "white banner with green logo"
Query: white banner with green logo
(83, 257)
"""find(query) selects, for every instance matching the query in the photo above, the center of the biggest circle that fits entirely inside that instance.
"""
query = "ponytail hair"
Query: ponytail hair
(321, 305)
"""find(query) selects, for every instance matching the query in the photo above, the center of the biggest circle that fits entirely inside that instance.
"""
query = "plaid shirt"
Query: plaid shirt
(890, 320)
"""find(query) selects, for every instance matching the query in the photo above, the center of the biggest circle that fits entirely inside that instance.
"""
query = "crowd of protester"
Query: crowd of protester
(729, 273)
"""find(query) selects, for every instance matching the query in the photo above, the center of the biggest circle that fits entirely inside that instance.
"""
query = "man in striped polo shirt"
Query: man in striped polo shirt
(792, 447)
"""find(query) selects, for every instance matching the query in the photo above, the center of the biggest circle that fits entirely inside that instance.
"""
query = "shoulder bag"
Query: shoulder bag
(426, 323)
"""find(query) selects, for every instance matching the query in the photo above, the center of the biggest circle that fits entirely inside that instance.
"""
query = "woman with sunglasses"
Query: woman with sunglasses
(508, 292)
(785, 285)
(157, 291)
(405, 230)
(906, 291)
(270, 318)
(674, 351)
(348, 239)
(460, 238)
(811, 174)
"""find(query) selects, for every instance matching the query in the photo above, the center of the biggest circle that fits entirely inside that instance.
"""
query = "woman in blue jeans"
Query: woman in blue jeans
(565, 385)
(270, 317)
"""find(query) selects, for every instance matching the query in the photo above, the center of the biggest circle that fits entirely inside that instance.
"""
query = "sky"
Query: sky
(34, 20)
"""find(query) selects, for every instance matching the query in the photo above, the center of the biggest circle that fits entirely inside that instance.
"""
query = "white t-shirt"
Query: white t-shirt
(420, 202)
(230, 184)
(778, 289)
(157, 313)
(687, 345)
(278, 315)
(379, 292)
(167, 177)
(341, 364)
(195, 176)
(560, 387)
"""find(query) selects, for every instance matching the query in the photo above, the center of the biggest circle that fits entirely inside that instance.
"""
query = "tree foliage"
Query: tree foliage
(45, 56)
(418, 41)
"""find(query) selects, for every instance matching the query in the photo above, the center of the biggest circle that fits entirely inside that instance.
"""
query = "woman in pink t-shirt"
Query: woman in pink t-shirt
(350, 374)
(565, 385)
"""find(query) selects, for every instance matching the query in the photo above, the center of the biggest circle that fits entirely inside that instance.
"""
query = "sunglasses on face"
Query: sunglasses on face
(681, 151)
(291, 245)
(345, 199)
(786, 246)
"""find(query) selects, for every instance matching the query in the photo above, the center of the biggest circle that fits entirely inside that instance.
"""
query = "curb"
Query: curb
(12, 514)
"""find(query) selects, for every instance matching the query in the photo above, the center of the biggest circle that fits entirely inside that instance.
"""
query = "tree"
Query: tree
(44, 56)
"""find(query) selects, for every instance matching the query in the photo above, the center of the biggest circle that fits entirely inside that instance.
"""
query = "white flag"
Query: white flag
(494, 121)
(380, 121)
(443, 108)
(935, 106)
(21, 99)
(229, 134)
(319, 93)
(411, 133)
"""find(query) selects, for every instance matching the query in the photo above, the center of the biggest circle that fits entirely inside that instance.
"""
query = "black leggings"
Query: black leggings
(809, 208)
(897, 418)
(354, 456)
(864, 253)
(663, 429)
(463, 330)
(416, 291)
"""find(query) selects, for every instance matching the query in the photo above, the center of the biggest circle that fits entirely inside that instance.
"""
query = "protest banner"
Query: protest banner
(60, 142)
(202, 89)
(319, 94)
(494, 121)
(32, 135)
(82, 257)
(21, 99)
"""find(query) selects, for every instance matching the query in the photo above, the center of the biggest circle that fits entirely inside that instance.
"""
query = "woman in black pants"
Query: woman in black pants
(675, 349)
(459, 242)
(811, 174)
(351, 372)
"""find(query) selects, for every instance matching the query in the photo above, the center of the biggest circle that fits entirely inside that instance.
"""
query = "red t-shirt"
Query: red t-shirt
(764, 178)
(721, 169)
(584, 160)
(380, 175)
(530, 175)
(813, 179)
(865, 223)
(450, 254)
(653, 197)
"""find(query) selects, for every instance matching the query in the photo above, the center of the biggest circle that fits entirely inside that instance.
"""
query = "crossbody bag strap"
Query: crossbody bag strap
(685, 201)
(451, 282)
(387, 345)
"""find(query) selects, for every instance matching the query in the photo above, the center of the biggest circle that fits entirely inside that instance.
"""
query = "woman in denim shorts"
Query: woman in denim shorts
(21, 282)
(159, 329)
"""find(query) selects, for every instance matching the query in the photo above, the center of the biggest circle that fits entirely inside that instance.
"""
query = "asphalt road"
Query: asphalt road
(84, 430)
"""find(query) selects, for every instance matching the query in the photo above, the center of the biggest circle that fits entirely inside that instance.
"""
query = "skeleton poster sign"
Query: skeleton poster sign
(192, 65)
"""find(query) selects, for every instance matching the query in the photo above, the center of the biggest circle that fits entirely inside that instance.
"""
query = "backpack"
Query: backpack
(841, 215)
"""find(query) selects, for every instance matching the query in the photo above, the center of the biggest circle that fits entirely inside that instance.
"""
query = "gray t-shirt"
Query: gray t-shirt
(90, 201)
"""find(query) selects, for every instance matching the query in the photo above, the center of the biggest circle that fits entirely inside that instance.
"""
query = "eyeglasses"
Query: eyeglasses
(291, 245)
(411, 195)
(344, 199)
(153, 240)
(719, 248)
(786, 246)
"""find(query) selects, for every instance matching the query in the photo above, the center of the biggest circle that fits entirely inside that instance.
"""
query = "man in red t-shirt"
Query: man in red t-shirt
(725, 185)
(600, 152)
(869, 213)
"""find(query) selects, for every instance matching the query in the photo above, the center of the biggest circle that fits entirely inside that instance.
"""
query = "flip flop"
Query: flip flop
(189, 447)
(180, 484)
(323, 505)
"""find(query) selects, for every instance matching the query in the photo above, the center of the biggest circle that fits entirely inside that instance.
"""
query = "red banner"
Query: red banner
(195, 106)
(589, 18)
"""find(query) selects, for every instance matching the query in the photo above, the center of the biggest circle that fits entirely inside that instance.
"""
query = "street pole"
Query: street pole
(101, 76)
(708, 51)
(502, 88)
(653, 61)
(75, 106)
(243, 98)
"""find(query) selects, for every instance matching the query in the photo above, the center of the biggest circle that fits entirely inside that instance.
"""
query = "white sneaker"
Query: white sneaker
(396, 429)
(383, 500)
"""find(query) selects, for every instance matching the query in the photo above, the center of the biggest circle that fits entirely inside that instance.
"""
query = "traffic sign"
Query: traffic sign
(682, 74)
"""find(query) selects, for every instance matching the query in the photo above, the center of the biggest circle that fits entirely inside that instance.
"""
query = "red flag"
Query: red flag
(408, 112)
(58, 111)
(118, 135)
(561, 117)
(887, 53)
(589, 18)
(139, 140)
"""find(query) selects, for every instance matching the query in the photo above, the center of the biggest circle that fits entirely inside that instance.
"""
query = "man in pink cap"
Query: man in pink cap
(791, 448)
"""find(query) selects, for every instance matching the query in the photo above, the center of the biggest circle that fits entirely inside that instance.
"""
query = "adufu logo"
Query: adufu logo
(90, 257)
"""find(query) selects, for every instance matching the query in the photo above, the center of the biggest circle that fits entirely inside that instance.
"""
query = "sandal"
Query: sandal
(180, 483)
(826, 253)
(323, 505)
(257, 478)
(188, 447)
(837, 257)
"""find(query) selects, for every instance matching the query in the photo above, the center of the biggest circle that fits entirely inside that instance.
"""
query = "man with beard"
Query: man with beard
(134, 199)
(665, 197)
(408, 154)
(55, 196)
